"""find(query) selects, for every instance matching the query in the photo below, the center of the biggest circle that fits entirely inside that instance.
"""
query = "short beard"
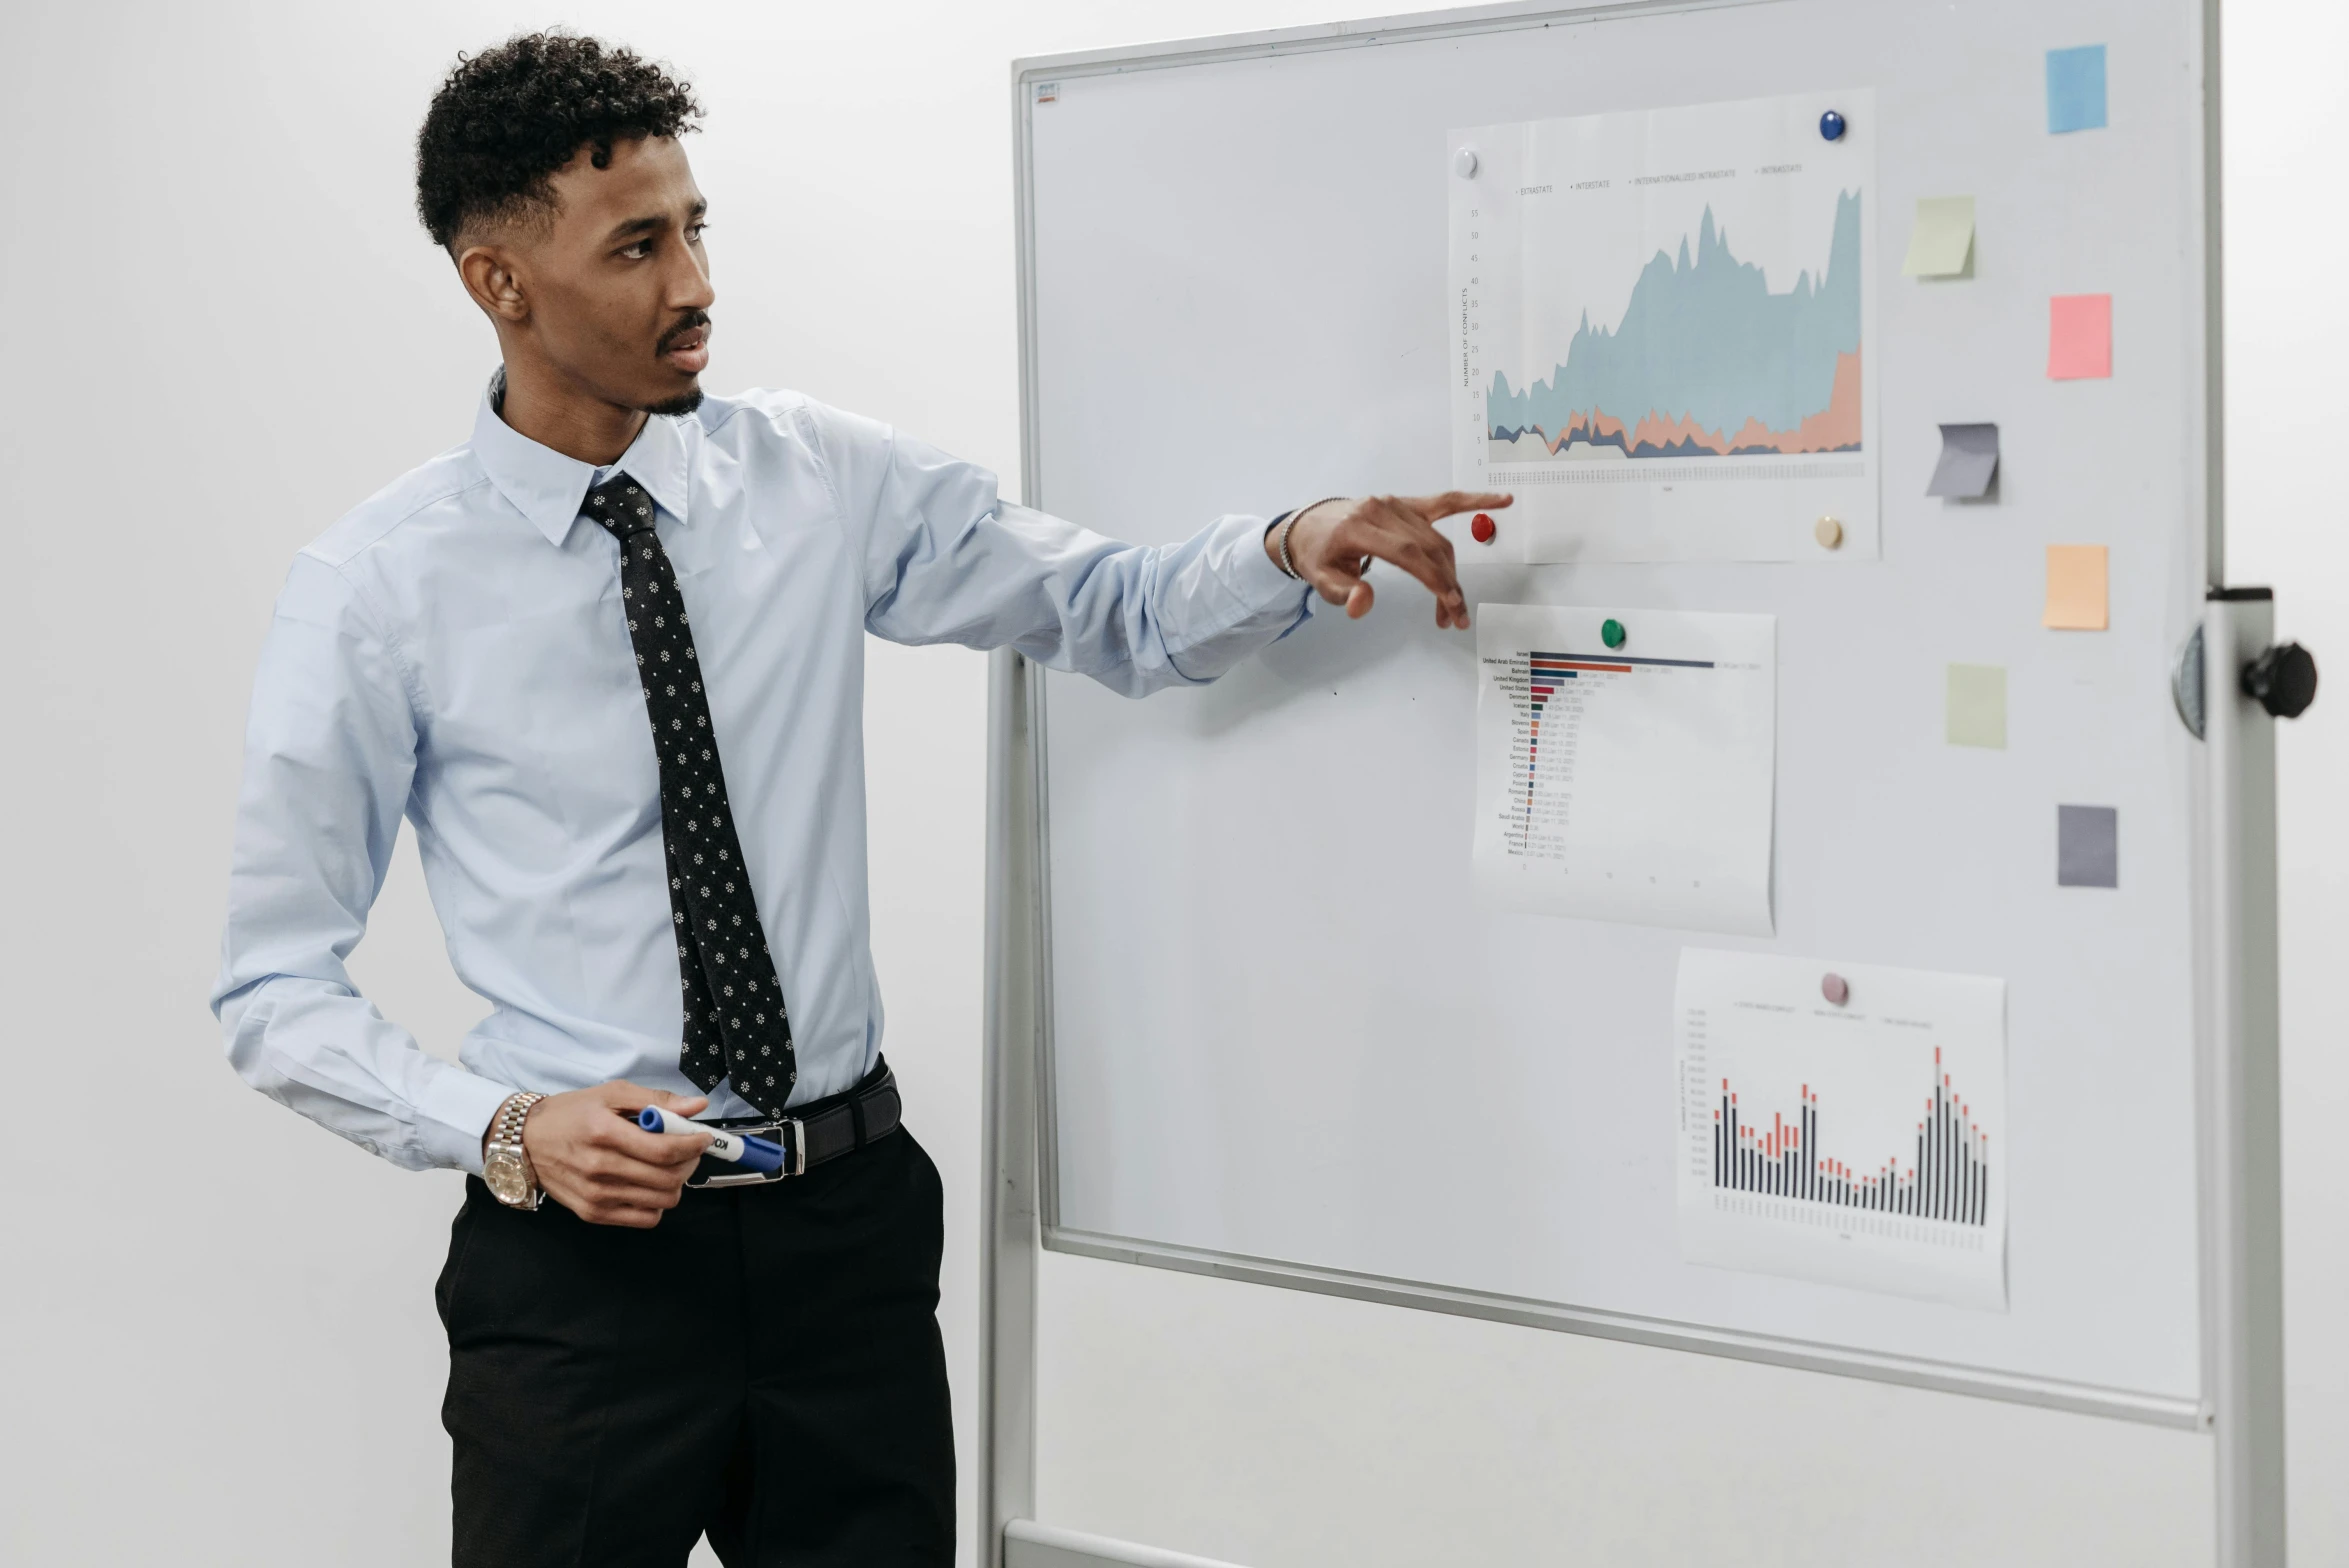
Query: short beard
(682, 403)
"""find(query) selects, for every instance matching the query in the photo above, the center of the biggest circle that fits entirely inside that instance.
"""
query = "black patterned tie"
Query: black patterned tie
(735, 1026)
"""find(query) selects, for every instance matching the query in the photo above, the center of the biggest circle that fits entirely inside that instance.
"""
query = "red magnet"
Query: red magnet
(1480, 528)
(1836, 989)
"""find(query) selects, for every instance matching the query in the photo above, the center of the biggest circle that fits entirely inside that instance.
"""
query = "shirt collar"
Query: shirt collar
(549, 488)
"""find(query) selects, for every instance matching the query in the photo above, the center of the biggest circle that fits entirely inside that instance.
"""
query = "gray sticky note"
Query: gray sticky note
(2087, 846)
(1969, 461)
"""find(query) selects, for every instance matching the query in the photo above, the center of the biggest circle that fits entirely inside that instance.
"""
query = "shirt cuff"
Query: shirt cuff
(453, 1113)
(1253, 577)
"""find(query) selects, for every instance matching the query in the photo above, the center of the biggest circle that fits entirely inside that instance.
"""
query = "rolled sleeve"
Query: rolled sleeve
(1262, 603)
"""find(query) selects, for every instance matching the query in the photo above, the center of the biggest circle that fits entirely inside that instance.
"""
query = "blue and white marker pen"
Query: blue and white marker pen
(752, 1154)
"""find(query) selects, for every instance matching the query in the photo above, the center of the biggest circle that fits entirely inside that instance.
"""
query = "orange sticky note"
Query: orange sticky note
(2076, 597)
(2079, 337)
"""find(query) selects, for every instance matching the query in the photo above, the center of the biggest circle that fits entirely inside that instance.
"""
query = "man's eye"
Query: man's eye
(695, 233)
(638, 251)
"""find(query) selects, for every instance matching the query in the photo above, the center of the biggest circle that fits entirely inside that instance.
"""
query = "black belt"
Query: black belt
(823, 1130)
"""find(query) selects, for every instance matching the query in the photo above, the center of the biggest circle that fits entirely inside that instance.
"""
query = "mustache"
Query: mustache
(685, 323)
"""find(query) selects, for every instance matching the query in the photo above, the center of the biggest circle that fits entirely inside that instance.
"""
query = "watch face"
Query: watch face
(503, 1172)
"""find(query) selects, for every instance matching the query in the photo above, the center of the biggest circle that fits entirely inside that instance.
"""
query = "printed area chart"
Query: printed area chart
(1664, 324)
(1624, 765)
(1856, 1143)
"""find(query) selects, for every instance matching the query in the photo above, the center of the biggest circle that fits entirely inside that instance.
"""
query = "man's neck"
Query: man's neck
(541, 406)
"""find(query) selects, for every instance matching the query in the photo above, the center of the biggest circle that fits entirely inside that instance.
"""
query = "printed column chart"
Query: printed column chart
(1626, 778)
(1664, 321)
(1855, 1142)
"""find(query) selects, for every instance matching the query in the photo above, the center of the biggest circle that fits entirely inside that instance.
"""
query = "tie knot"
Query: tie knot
(621, 506)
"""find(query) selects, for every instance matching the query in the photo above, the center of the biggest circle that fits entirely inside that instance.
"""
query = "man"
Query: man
(607, 656)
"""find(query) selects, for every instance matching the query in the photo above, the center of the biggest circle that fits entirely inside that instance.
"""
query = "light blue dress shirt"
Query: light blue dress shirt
(454, 651)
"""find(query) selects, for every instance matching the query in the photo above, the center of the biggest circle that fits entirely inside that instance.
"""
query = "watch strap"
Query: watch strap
(506, 1136)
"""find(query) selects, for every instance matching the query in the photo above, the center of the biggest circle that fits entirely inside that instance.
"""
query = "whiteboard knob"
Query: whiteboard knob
(1464, 163)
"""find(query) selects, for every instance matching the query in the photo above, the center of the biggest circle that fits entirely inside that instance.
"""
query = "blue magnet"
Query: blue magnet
(1831, 126)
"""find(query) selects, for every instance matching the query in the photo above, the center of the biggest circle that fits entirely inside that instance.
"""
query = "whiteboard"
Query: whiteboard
(1283, 1035)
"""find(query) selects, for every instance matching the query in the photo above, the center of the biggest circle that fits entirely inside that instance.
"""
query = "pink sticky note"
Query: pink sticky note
(2079, 337)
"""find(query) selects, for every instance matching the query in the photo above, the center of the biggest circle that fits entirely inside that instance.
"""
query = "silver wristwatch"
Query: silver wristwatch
(505, 1165)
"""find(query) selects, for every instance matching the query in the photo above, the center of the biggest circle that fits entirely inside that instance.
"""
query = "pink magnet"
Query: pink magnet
(1836, 989)
(1480, 528)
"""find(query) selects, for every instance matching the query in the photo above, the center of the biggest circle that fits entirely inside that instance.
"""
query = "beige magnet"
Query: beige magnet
(1836, 989)
(1828, 532)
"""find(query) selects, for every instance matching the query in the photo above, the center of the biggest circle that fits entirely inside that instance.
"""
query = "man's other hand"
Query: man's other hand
(594, 1160)
(1332, 543)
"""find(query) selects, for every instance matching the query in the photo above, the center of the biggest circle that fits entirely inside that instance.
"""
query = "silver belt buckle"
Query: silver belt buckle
(794, 1156)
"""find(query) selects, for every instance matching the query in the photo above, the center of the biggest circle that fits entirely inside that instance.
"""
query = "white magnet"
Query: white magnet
(1464, 163)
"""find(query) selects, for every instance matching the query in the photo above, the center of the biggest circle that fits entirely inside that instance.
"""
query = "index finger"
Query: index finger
(1431, 507)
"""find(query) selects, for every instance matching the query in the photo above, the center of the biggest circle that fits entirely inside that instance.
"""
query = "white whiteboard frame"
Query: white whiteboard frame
(2239, 1171)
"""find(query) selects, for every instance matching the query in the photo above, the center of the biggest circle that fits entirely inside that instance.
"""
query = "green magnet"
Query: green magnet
(1612, 633)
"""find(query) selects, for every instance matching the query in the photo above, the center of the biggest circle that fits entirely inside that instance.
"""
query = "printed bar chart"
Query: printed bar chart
(1947, 1176)
(1855, 1142)
(1623, 785)
(1545, 675)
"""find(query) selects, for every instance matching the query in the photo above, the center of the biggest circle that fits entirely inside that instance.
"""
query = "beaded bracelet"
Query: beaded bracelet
(1290, 522)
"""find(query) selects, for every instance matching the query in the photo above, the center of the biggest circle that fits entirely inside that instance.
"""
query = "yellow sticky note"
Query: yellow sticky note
(1942, 243)
(2076, 596)
(1976, 713)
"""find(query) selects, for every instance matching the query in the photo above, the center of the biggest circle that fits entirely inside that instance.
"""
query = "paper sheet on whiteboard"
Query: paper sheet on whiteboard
(1860, 1144)
(1664, 324)
(1628, 783)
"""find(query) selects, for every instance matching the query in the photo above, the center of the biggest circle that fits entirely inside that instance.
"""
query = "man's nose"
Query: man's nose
(689, 287)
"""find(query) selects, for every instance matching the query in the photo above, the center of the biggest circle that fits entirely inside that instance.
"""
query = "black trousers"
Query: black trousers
(764, 1366)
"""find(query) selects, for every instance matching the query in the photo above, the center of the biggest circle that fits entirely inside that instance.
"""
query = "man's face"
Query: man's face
(617, 286)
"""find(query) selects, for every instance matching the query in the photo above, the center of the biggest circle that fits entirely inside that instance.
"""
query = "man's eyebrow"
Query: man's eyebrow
(635, 226)
(653, 223)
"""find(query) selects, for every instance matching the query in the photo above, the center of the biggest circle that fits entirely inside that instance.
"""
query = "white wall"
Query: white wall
(2287, 128)
(219, 326)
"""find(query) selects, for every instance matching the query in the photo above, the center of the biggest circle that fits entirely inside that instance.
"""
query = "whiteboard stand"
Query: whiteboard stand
(2241, 1156)
(1010, 1229)
(2238, 1180)
(2242, 1165)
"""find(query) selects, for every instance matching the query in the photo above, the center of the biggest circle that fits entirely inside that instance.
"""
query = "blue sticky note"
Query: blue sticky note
(2075, 89)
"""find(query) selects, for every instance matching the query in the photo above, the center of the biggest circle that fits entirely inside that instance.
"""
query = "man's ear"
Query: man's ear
(490, 277)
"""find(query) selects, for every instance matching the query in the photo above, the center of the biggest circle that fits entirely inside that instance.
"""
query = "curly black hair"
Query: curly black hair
(506, 119)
